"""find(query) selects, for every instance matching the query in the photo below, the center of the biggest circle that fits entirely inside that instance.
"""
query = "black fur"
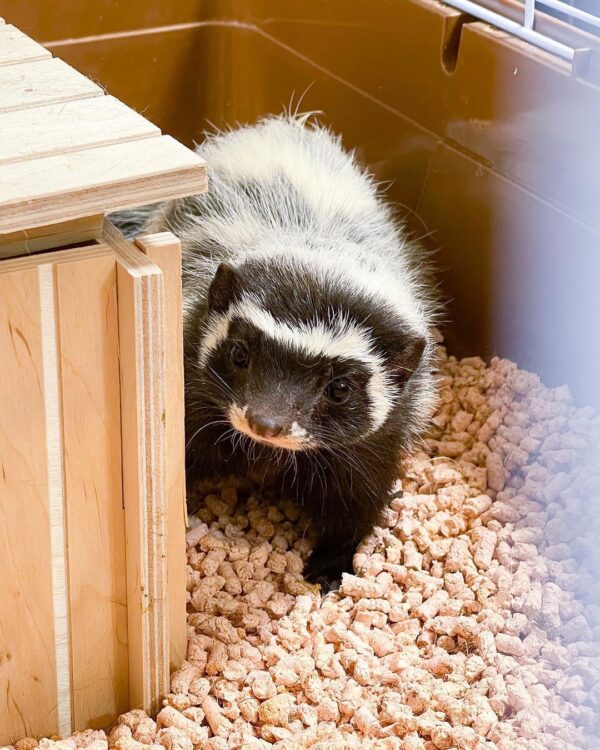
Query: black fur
(344, 483)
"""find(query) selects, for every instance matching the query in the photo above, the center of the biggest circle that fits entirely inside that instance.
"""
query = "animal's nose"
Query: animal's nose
(263, 425)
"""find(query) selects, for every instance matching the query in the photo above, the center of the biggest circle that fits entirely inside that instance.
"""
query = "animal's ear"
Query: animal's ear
(224, 289)
(406, 354)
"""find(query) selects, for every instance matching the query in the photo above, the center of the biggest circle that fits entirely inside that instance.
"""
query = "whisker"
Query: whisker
(203, 427)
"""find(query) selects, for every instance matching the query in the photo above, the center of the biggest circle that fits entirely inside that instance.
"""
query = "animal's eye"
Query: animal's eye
(338, 391)
(240, 356)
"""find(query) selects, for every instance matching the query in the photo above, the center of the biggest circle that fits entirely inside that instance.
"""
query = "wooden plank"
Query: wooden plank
(42, 82)
(81, 183)
(164, 250)
(34, 240)
(63, 226)
(139, 285)
(57, 128)
(89, 369)
(28, 683)
(56, 500)
(15, 47)
(154, 61)
(33, 261)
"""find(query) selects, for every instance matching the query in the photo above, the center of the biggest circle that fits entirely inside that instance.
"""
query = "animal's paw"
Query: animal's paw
(325, 567)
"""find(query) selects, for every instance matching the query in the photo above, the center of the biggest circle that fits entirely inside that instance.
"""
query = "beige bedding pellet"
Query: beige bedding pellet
(472, 620)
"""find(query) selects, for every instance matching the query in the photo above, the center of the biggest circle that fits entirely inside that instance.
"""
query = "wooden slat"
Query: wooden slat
(57, 128)
(165, 251)
(59, 188)
(42, 82)
(30, 241)
(56, 499)
(15, 47)
(27, 649)
(89, 367)
(32, 234)
(33, 261)
(142, 403)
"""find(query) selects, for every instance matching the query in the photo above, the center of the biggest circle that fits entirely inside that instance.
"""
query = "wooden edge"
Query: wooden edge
(59, 256)
(23, 242)
(53, 129)
(140, 306)
(47, 80)
(136, 260)
(27, 234)
(30, 50)
(107, 197)
(128, 194)
(30, 585)
(164, 250)
(57, 511)
(87, 327)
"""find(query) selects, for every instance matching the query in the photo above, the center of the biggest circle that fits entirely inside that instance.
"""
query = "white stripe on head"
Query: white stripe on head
(338, 339)
(378, 282)
(216, 332)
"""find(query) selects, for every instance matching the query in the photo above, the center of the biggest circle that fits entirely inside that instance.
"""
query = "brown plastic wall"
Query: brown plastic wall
(490, 147)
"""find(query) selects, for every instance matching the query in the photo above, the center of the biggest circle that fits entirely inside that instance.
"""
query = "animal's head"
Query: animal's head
(299, 362)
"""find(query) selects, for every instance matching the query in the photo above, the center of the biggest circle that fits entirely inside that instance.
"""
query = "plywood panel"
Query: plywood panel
(28, 691)
(68, 151)
(58, 188)
(56, 128)
(32, 261)
(142, 401)
(164, 250)
(56, 499)
(159, 64)
(42, 82)
(15, 47)
(64, 233)
(88, 333)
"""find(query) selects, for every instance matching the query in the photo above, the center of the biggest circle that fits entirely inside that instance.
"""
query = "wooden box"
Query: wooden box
(487, 146)
(92, 505)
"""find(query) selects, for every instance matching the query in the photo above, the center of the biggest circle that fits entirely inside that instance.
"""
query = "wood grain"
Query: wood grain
(96, 180)
(139, 284)
(85, 503)
(165, 251)
(42, 82)
(56, 494)
(59, 128)
(33, 261)
(16, 47)
(24, 242)
(89, 369)
(68, 151)
(27, 648)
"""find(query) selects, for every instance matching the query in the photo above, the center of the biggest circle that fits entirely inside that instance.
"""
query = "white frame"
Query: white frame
(526, 29)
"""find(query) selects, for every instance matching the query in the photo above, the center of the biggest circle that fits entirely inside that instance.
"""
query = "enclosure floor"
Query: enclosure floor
(472, 620)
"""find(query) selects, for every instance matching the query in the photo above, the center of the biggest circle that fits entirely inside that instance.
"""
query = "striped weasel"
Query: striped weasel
(307, 320)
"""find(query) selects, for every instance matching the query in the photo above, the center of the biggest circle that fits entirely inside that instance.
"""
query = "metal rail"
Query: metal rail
(526, 30)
